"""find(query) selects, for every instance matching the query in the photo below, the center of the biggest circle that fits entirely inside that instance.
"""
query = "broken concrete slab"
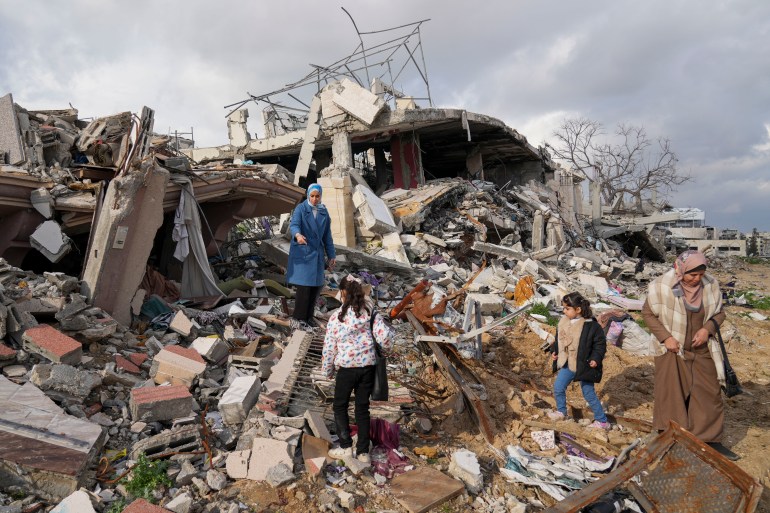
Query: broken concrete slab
(265, 454)
(150, 404)
(357, 101)
(239, 399)
(237, 464)
(51, 447)
(281, 371)
(489, 304)
(375, 214)
(52, 344)
(65, 379)
(51, 241)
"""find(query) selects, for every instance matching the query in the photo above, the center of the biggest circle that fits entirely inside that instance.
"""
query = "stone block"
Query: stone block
(393, 248)
(181, 324)
(212, 349)
(178, 366)
(150, 404)
(10, 136)
(52, 344)
(239, 399)
(182, 503)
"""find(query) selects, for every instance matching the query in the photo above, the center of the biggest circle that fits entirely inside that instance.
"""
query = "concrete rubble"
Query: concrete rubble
(222, 386)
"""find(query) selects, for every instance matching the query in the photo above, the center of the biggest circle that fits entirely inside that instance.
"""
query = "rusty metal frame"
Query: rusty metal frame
(675, 437)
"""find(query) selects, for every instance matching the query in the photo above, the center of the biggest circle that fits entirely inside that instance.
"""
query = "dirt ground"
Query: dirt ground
(517, 376)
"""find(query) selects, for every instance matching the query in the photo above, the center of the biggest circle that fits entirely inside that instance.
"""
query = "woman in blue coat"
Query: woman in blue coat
(311, 243)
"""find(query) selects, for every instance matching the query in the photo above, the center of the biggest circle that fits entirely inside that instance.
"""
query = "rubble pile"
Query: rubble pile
(154, 384)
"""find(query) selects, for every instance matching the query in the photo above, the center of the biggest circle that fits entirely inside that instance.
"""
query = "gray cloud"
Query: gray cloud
(697, 75)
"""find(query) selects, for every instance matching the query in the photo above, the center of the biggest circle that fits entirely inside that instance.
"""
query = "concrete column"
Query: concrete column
(236, 128)
(596, 203)
(538, 230)
(122, 239)
(342, 151)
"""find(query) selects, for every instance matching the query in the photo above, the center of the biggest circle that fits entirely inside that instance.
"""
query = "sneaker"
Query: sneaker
(364, 458)
(556, 415)
(340, 453)
(724, 451)
(600, 425)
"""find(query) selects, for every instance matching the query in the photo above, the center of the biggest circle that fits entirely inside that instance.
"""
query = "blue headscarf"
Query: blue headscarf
(314, 187)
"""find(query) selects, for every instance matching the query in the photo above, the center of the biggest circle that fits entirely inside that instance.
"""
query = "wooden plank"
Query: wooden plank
(424, 488)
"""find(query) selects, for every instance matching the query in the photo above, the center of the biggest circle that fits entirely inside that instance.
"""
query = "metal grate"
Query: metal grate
(682, 482)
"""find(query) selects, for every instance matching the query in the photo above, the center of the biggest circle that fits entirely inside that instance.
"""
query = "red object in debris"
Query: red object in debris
(186, 352)
(154, 394)
(53, 344)
(396, 311)
(6, 353)
(142, 506)
(126, 365)
(94, 408)
(137, 358)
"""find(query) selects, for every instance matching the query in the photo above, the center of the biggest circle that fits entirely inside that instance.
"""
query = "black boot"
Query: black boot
(724, 451)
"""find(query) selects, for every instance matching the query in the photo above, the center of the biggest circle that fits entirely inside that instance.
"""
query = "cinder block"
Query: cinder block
(210, 348)
(52, 344)
(239, 399)
(150, 404)
(178, 366)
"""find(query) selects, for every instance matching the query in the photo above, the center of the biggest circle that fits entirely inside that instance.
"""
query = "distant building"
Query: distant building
(691, 231)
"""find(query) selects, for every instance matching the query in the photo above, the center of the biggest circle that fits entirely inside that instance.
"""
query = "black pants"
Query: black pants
(360, 379)
(304, 302)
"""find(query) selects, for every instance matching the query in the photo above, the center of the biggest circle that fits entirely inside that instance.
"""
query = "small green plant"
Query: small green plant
(117, 507)
(146, 477)
(542, 309)
(641, 323)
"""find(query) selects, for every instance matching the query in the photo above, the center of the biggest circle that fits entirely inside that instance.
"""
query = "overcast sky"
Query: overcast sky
(695, 72)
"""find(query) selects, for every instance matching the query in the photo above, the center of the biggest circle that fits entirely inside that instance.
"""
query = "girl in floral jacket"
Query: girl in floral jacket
(349, 351)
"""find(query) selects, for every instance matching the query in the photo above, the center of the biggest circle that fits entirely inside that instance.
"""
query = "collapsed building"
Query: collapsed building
(168, 334)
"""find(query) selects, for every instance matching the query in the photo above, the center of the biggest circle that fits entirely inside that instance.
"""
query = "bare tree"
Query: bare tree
(629, 168)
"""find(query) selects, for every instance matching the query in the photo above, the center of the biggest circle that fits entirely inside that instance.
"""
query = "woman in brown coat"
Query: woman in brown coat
(683, 310)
